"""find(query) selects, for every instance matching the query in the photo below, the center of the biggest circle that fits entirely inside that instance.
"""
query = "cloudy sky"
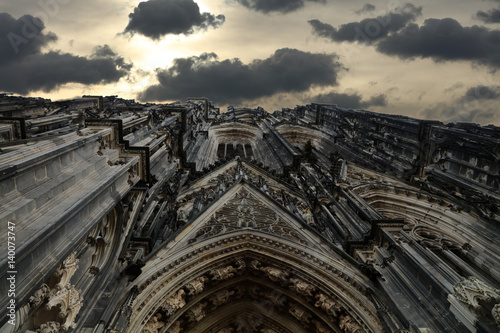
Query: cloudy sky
(426, 59)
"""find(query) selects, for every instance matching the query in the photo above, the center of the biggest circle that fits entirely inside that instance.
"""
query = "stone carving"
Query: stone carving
(196, 286)
(50, 327)
(69, 301)
(66, 270)
(40, 295)
(299, 313)
(253, 291)
(320, 328)
(245, 211)
(154, 324)
(255, 264)
(240, 265)
(470, 290)
(175, 328)
(275, 274)
(174, 302)
(327, 304)
(496, 314)
(349, 325)
(223, 273)
(302, 287)
(221, 297)
(196, 312)
(274, 296)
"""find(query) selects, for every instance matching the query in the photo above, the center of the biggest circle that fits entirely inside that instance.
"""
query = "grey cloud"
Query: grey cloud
(368, 7)
(478, 104)
(157, 18)
(444, 39)
(29, 69)
(482, 92)
(22, 37)
(491, 16)
(281, 6)
(103, 51)
(371, 29)
(231, 81)
(353, 101)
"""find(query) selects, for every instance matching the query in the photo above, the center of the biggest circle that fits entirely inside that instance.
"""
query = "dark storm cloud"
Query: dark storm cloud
(368, 7)
(157, 18)
(444, 39)
(50, 70)
(28, 69)
(280, 6)
(368, 30)
(353, 101)
(482, 92)
(491, 16)
(231, 81)
(103, 51)
(478, 104)
(22, 37)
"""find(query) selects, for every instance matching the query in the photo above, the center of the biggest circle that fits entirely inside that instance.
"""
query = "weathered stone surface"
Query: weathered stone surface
(179, 218)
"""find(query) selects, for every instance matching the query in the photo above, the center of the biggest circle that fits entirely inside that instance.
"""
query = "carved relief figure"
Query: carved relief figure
(174, 302)
(349, 325)
(196, 313)
(40, 295)
(196, 286)
(327, 304)
(275, 274)
(221, 297)
(50, 327)
(302, 287)
(175, 328)
(154, 324)
(221, 274)
(299, 313)
(470, 290)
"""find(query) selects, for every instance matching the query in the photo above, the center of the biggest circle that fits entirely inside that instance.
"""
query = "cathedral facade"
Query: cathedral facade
(121, 217)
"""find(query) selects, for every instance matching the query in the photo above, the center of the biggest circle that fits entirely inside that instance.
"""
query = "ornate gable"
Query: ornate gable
(245, 208)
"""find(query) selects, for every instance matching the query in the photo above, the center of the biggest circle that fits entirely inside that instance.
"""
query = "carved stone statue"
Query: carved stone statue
(221, 297)
(302, 287)
(255, 264)
(196, 312)
(174, 302)
(299, 313)
(49, 327)
(175, 327)
(40, 295)
(275, 274)
(154, 324)
(349, 325)
(196, 286)
(221, 274)
(327, 304)
(274, 296)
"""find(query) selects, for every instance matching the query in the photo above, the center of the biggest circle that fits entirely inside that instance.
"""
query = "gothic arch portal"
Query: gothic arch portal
(246, 264)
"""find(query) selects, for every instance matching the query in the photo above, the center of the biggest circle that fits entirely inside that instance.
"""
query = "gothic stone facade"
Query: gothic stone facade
(179, 218)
